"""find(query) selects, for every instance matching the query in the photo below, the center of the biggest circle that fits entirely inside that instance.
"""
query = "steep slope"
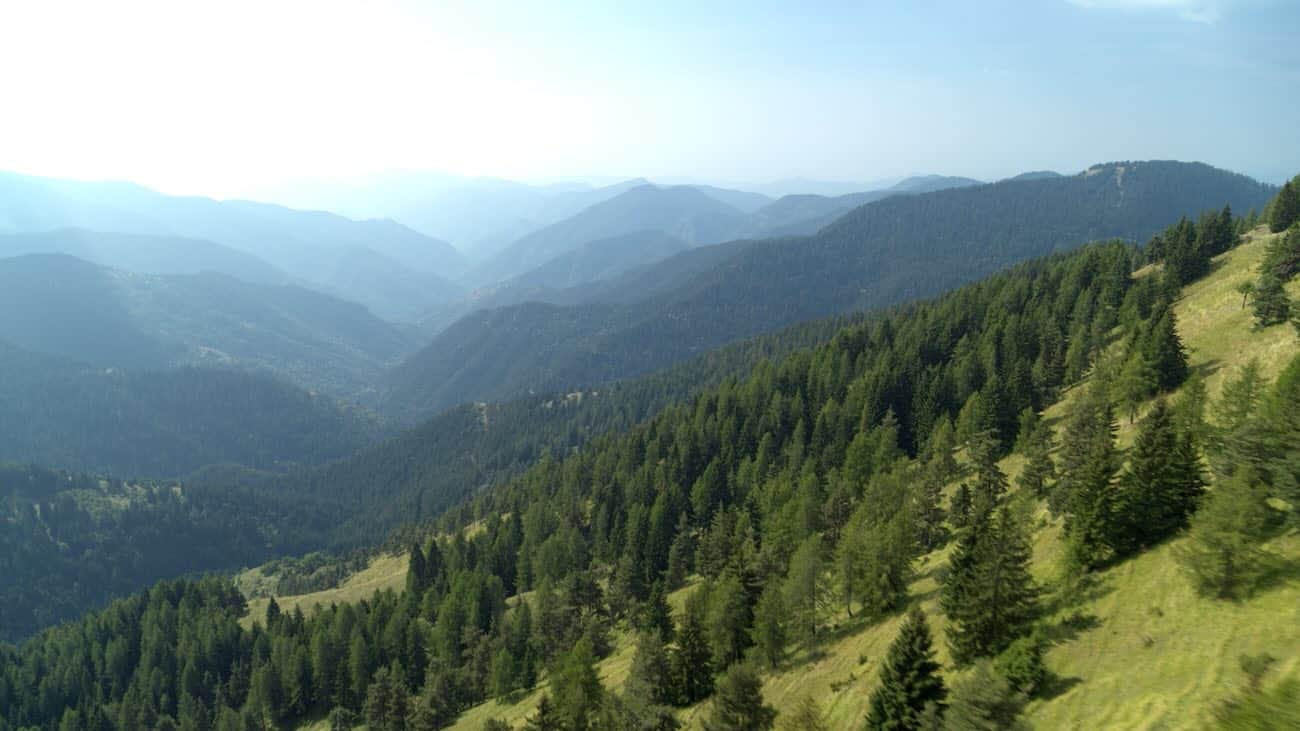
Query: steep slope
(732, 481)
(893, 250)
(65, 306)
(68, 415)
(307, 245)
(1141, 612)
(682, 212)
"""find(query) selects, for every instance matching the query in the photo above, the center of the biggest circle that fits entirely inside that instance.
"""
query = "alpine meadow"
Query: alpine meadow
(510, 366)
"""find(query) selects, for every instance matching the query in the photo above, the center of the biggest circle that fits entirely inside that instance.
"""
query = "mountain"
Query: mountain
(892, 250)
(1036, 175)
(931, 183)
(307, 245)
(108, 318)
(803, 214)
(480, 216)
(682, 212)
(571, 277)
(55, 411)
(705, 514)
(742, 200)
(144, 254)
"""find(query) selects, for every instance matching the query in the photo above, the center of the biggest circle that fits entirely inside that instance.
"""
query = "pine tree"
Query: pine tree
(545, 718)
(1085, 491)
(1039, 467)
(1159, 489)
(417, 574)
(805, 588)
(1282, 256)
(576, 687)
(989, 595)
(651, 674)
(1285, 208)
(1164, 351)
(1222, 555)
(768, 632)
(692, 658)
(738, 705)
(655, 615)
(1272, 304)
(727, 620)
(909, 679)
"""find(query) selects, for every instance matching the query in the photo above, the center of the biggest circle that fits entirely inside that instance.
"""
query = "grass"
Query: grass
(1137, 650)
(384, 572)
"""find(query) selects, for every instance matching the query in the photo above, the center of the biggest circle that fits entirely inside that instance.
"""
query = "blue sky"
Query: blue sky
(221, 98)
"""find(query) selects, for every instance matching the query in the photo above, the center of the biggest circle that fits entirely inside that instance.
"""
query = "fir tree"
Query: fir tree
(738, 705)
(1164, 351)
(1085, 491)
(1285, 208)
(768, 633)
(545, 718)
(1222, 555)
(651, 674)
(1159, 489)
(909, 679)
(1272, 304)
(989, 596)
(692, 658)
(1039, 467)
(576, 687)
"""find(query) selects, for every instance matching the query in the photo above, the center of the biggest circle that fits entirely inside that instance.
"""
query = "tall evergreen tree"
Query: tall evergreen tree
(1039, 467)
(1085, 491)
(1159, 489)
(909, 679)
(738, 705)
(1272, 304)
(576, 687)
(1222, 556)
(769, 630)
(1164, 351)
(692, 658)
(989, 595)
(1284, 211)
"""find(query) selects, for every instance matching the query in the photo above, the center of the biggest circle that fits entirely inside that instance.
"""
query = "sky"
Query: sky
(225, 97)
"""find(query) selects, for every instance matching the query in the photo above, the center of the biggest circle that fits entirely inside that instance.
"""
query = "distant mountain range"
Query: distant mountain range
(310, 247)
(891, 250)
(109, 318)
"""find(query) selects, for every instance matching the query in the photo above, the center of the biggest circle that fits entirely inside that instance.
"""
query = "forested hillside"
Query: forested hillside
(894, 250)
(65, 306)
(69, 543)
(821, 476)
(164, 423)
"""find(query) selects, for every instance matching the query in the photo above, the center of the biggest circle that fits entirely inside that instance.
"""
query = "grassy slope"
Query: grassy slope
(1148, 653)
(384, 572)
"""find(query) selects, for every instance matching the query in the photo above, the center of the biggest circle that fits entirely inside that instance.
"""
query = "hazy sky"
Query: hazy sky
(219, 97)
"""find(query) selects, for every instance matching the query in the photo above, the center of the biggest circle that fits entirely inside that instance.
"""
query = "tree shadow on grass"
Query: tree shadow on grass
(1055, 686)
(1069, 627)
